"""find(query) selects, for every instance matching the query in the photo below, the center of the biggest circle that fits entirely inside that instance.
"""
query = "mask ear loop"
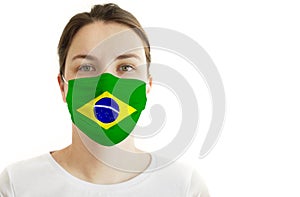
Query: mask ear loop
(63, 78)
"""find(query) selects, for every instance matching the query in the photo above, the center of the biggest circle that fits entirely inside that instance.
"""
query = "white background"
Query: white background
(254, 44)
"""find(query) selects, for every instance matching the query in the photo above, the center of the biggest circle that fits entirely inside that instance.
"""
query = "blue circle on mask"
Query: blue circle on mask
(106, 110)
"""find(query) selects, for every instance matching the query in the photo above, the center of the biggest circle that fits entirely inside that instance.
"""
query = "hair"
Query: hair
(107, 13)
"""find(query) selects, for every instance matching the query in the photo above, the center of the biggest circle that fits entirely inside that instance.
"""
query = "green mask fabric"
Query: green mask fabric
(106, 108)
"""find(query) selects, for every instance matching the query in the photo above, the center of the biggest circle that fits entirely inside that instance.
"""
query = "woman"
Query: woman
(104, 78)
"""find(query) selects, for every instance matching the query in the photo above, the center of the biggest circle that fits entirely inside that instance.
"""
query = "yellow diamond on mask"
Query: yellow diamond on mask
(106, 110)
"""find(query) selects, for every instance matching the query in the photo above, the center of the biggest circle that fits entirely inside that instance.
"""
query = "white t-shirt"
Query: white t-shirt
(44, 177)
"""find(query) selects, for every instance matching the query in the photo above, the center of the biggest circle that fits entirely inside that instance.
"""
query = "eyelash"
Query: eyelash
(80, 68)
(126, 65)
(86, 65)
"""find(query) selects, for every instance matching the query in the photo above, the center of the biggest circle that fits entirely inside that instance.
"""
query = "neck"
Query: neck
(98, 164)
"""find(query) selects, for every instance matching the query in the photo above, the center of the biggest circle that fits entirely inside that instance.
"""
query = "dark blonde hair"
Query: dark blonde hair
(107, 13)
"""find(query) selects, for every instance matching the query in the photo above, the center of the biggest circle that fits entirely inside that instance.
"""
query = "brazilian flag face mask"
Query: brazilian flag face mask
(106, 108)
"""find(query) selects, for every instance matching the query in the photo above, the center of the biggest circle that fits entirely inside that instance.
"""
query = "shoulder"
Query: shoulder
(6, 188)
(197, 186)
(182, 175)
(28, 166)
(23, 172)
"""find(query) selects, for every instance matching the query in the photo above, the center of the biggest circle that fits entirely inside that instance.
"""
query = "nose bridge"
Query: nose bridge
(108, 68)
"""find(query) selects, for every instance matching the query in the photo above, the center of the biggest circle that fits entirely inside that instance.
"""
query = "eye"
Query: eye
(126, 68)
(86, 68)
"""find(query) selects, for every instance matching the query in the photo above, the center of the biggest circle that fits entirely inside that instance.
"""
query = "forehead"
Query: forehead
(105, 41)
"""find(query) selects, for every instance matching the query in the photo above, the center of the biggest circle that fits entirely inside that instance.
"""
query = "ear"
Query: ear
(149, 84)
(62, 88)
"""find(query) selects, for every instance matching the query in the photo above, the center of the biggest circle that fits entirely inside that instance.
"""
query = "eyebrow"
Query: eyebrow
(84, 56)
(93, 58)
(128, 55)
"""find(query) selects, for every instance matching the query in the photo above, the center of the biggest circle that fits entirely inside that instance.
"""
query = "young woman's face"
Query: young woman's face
(106, 47)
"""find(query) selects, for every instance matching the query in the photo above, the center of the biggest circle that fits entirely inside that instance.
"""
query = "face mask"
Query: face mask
(106, 108)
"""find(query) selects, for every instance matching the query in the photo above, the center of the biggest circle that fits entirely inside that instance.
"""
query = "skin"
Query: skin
(75, 158)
